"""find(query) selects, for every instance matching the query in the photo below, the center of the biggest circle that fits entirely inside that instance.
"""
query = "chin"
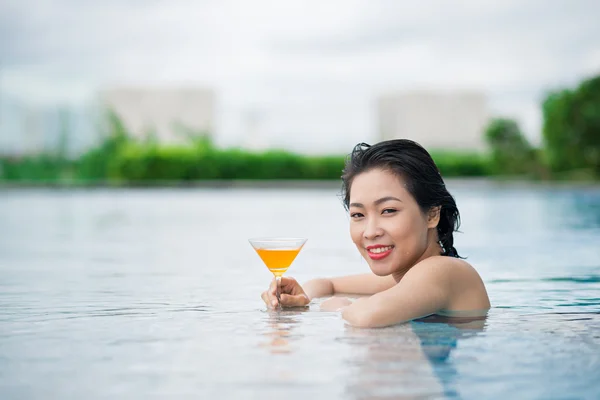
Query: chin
(381, 269)
(380, 273)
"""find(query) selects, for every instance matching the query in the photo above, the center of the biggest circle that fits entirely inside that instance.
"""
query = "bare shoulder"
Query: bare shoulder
(446, 266)
(464, 284)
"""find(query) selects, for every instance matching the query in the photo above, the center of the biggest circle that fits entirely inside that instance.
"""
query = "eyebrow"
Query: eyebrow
(377, 202)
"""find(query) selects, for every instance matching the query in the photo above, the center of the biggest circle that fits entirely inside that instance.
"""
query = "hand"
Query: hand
(291, 294)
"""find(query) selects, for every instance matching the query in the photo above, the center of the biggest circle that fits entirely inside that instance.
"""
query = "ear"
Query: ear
(433, 217)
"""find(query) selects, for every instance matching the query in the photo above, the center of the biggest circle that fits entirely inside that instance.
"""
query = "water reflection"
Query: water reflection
(278, 336)
(408, 361)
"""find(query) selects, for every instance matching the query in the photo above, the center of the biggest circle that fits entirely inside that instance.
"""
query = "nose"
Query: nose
(372, 230)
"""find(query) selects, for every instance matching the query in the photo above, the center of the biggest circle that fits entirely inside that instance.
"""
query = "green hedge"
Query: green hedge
(176, 163)
(46, 168)
(121, 160)
(462, 164)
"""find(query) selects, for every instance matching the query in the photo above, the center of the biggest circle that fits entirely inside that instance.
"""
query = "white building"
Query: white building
(167, 113)
(436, 120)
(30, 129)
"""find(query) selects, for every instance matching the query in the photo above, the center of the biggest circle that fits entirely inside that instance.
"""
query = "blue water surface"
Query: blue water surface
(155, 293)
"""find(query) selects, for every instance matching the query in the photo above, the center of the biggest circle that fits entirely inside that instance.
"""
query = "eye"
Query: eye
(389, 211)
(356, 215)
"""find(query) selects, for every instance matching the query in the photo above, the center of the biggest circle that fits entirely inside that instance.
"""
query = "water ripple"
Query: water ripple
(154, 293)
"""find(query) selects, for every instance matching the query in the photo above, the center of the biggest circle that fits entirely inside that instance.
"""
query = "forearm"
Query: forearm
(362, 284)
(316, 288)
(395, 306)
(372, 312)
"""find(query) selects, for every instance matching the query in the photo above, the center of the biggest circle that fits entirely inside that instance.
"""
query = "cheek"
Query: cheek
(408, 229)
(401, 227)
(355, 232)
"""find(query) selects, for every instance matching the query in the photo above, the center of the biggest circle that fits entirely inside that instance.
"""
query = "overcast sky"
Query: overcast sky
(300, 67)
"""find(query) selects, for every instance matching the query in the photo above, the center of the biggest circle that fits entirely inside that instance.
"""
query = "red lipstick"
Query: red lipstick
(378, 256)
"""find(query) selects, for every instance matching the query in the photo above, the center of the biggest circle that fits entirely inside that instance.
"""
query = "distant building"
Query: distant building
(165, 113)
(28, 128)
(447, 121)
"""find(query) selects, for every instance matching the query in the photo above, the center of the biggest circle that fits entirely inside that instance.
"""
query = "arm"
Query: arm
(294, 295)
(363, 284)
(424, 290)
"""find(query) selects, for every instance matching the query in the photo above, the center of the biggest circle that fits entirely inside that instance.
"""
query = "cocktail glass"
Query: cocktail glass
(277, 253)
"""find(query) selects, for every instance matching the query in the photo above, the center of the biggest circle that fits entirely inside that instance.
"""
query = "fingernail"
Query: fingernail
(274, 302)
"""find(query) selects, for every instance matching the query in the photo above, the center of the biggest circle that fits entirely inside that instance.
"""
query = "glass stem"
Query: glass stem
(278, 293)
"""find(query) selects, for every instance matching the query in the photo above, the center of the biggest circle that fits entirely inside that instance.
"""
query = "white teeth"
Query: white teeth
(378, 250)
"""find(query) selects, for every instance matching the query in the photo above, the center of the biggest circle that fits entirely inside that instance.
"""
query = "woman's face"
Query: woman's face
(387, 225)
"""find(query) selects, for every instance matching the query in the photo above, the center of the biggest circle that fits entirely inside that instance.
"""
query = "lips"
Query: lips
(378, 252)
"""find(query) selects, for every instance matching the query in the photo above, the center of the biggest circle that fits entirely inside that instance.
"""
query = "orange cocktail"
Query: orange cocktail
(278, 253)
(278, 261)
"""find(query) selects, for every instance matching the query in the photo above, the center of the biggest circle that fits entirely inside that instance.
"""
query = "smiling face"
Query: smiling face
(387, 225)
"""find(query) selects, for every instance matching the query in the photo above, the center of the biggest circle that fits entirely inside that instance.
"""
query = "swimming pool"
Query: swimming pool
(154, 293)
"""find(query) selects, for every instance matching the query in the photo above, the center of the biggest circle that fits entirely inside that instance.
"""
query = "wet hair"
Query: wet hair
(409, 160)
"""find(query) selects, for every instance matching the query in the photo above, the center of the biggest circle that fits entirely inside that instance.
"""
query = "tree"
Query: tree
(572, 128)
(511, 152)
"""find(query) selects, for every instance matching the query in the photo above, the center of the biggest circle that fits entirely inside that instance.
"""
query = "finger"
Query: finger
(288, 284)
(287, 280)
(265, 297)
(273, 300)
(270, 301)
(273, 287)
(294, 301)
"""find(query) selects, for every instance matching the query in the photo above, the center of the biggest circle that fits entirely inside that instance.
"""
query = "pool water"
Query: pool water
(155, 293)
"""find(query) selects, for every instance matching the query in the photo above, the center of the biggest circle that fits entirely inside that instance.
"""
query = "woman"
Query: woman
(401, 220)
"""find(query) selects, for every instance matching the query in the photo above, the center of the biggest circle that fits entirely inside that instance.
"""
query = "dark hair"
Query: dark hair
(423, 180)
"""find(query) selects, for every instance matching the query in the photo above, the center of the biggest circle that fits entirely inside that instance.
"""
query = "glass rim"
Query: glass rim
(277, 239)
